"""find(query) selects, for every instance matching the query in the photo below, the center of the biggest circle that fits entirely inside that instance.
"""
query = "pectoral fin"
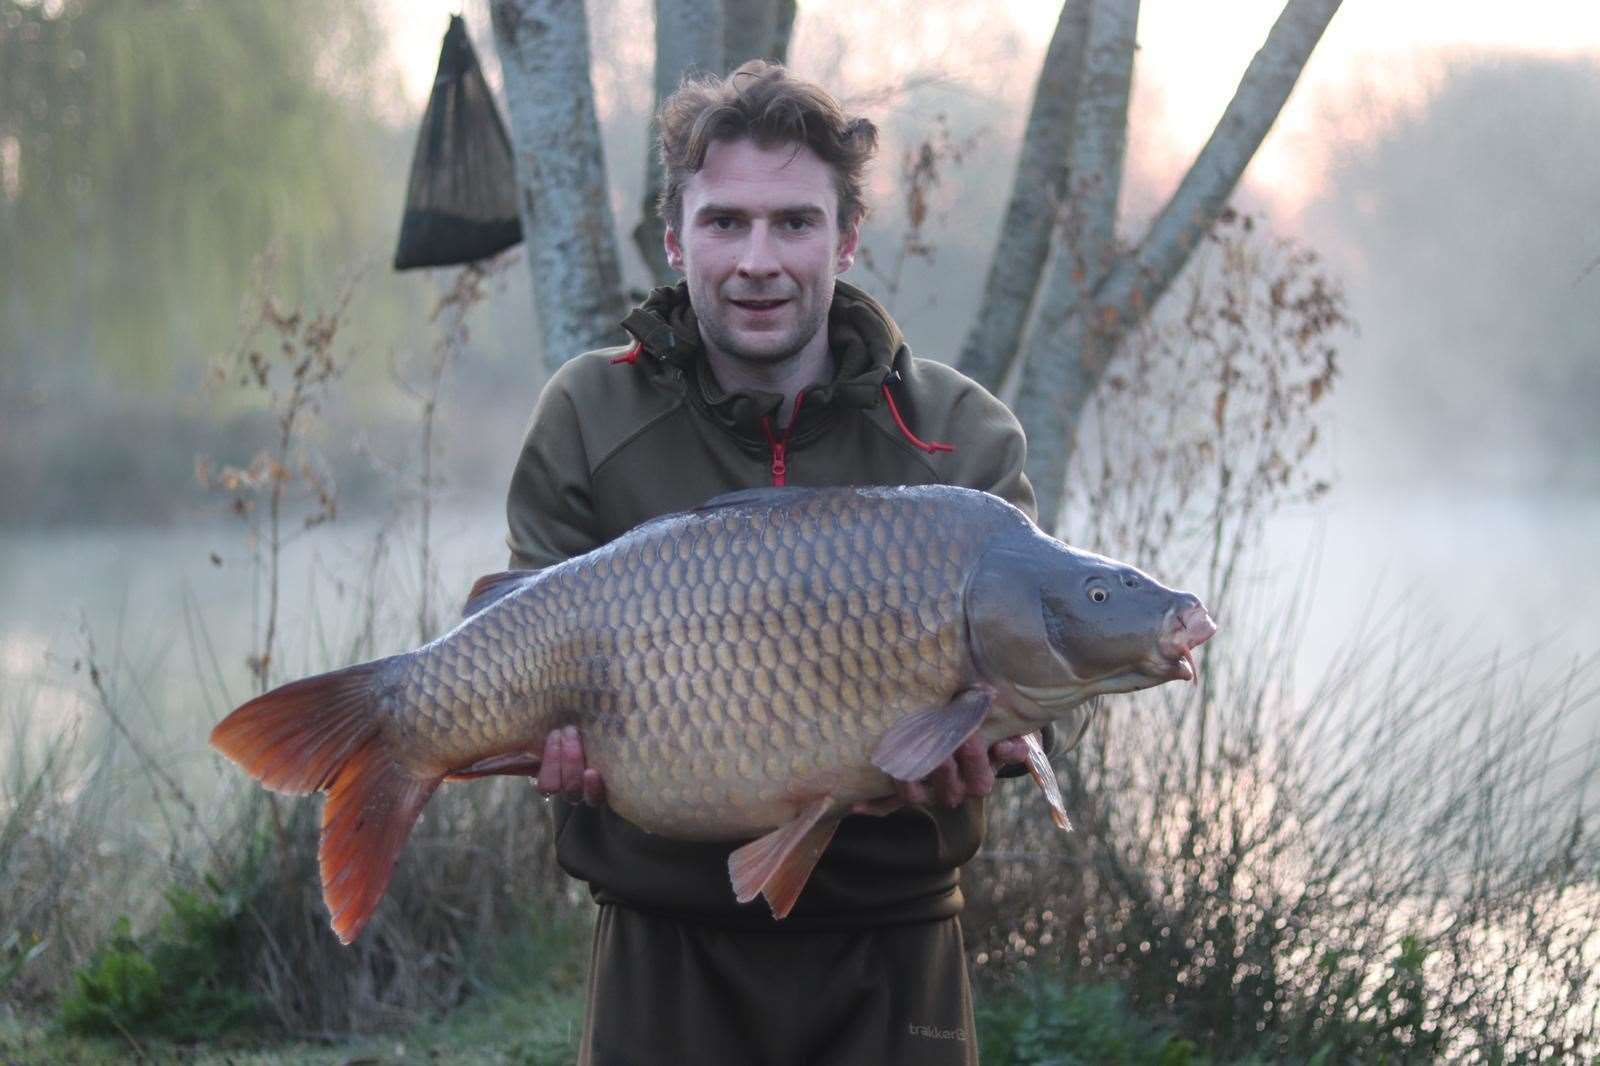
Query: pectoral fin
(779, 864)
(1044, 775)
(919, 742)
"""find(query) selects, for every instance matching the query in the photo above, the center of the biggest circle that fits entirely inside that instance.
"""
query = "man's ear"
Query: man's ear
(669, 241)
(847, 246)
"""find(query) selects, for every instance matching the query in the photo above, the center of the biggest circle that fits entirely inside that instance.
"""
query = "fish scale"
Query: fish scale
(769, 611)
(754, 667)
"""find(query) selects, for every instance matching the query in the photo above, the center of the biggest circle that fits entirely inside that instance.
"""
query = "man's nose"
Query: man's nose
(760, 258)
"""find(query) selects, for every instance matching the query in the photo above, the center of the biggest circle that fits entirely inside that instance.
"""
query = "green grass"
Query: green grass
(1040, 1022)
(534, 1026)
(526, 1013)
(1044, 1021)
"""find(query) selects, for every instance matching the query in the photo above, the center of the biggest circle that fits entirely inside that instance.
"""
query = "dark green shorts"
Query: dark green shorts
(675, 993)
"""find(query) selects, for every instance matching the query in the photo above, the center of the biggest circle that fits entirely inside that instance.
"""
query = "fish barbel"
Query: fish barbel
(750, 669)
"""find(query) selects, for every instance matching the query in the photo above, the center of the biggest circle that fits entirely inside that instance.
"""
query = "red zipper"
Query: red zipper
(780, 448)
(780, 468)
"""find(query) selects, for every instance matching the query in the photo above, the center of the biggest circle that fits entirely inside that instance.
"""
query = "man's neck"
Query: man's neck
(812, 365)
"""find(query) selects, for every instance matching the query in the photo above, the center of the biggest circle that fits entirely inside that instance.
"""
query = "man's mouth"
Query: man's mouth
(758, 305)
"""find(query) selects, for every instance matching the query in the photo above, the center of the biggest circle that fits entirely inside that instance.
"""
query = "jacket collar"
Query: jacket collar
(864, 340)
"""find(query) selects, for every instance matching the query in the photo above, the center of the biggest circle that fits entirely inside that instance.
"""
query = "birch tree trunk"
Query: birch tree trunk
(755, 29)
(1082, 318)
(1023, 243)
(689, 38)
(567, 223)
(1086, 237)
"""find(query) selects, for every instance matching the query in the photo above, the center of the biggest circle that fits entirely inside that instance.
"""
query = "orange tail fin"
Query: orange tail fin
(323, 734)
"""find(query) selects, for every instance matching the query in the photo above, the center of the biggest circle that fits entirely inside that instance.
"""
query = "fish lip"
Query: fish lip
(1186, 630)
(1163, 667)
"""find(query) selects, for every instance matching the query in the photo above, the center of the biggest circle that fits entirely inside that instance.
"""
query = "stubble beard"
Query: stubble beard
(717, 335)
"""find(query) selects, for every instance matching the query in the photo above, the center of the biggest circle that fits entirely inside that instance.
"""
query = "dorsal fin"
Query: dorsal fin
(768, 494)
(491, 587)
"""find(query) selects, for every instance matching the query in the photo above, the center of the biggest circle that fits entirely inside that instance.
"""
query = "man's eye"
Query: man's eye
(797, 224)
(724, 222)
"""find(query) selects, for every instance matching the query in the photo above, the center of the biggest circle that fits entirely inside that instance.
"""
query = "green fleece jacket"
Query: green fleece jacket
(623, 435)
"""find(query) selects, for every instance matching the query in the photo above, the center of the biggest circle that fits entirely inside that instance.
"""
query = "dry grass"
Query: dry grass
(1398, 860)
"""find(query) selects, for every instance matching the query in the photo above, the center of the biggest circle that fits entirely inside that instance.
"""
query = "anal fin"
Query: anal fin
(1044, 775)
(919, 742)
(779, 864)
(510, 763)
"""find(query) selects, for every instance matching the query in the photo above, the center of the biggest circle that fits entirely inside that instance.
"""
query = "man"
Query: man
(762, 369)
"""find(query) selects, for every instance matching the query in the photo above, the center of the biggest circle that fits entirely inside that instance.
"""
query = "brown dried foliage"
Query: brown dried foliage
(922, 168)
(289, 361)
(1394, 862)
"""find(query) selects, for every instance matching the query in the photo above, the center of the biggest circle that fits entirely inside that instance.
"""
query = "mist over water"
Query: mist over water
(1465, 439)
(1466, 230)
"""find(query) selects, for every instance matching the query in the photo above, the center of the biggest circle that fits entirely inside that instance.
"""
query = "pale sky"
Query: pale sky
(1377, 55)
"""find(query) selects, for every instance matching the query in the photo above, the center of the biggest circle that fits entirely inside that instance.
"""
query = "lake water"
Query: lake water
(174, 613)
(1483, 575)
(1511, 575)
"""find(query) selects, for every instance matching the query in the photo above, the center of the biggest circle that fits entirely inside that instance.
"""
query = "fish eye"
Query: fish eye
(1099, 595)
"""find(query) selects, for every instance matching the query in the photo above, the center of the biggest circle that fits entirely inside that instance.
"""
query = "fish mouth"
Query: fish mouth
(1172, 659)
(1190, 628)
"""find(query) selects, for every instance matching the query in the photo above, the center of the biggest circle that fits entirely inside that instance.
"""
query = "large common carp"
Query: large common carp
(749, 669)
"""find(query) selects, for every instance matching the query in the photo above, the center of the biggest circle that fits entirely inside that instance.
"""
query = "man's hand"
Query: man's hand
(563, 771)
(967, 773)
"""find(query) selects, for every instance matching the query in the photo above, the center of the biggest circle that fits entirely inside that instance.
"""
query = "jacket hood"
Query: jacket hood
(865, 342)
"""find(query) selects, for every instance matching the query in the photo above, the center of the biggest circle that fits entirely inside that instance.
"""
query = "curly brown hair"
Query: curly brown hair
(764, 102)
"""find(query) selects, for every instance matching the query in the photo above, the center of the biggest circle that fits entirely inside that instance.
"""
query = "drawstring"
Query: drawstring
(935, 446)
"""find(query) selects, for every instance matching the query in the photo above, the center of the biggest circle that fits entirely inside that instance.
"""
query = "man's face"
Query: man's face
(760, 248)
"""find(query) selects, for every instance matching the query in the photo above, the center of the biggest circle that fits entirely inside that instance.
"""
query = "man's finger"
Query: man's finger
(879, 807)
(947, 785)
(549, 781)
(572, 768)
(594, 789)
(1012, 751)
(912, 792)
(977, 776)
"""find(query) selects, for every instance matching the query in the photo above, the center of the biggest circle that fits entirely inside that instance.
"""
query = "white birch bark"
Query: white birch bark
(1086, 238)
(567, 223)
(1066, 356)
(689, 39)
(1023, 243)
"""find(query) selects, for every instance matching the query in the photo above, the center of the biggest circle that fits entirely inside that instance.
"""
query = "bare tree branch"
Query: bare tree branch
(689, 39)
(1068, 353)
(1100, 136)
(1138, 281)
(1086, 238)
(1023, 243)
(566, 214)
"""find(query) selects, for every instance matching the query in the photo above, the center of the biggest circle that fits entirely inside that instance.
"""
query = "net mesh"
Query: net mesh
(461, 199)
